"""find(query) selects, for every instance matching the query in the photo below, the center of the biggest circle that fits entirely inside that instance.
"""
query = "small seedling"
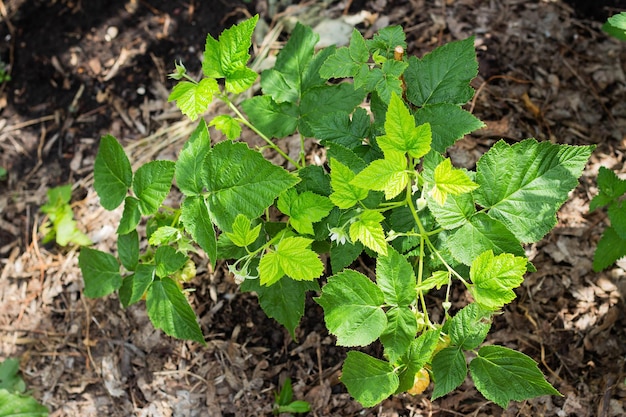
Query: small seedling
(14, 400)
(283, 402)
(60, 224)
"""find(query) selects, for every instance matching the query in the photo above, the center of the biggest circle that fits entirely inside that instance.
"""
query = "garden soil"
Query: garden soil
(82, 69)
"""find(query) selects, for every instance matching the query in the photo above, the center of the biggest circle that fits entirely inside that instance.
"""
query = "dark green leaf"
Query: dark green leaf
(168, 260)
(449, 370)
(112, 173)
(369, 380)
(189, 164)
(131, 216)
(610, 248)
(197, 222)
(101, 272)
(152, 184)
(128, 249)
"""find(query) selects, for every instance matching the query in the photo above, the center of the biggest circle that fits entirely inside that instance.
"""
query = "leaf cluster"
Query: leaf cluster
(386, 189)
(60, 224)
(14, 400)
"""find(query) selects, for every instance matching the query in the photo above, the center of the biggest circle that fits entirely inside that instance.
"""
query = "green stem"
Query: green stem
(241, 118)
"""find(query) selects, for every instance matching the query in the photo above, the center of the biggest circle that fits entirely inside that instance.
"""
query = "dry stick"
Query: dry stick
(28, 122)
(493, 77)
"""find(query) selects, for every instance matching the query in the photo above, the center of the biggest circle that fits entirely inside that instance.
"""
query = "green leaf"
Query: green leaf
(10, 379)
(617, 214)
(449, 180)
(448, 123)
(240, 180)
(304, 209)
(399, 333)
(525, 184)
(346, 156)
(101, 272)
(164, 235)
(315, 179)
(389, 175)
(442, 76)
(283, 301)
(455, 212)
(131, 216)
(284, 81)
(128, 249)
(494, 278)
(189, 164)
(616, 26)
(368, 230)
(17, 405)
(275, 120)
(227, 125)
(135, 286)
(396, 279)
(341, 129)
(437, 279)
(152, 184)
(611, 187)
(611, 247)
(482, 233)
(227, 58)
(502, 375)
(168, 260)
(358, 48)
(345, 194)
(419, 353)
(112, 174)
(469, 327)
(197, 222)
(449, 370)
(242, 235)
(293, 258)
(170, 311)
(369, 380)
(323, 100)
(339, 65)
(342, 256)
(193, 99)
(384, 42)
(401, 134)
(352, 308)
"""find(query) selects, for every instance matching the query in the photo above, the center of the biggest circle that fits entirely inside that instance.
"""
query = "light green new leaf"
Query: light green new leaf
(442, 76)
(304, 209)
(399, 333)
(283, 301)
(616, 26)
(455, 212)
(369, 380)
(135, 286)
(389, 175)
(419, 353)
(292, 257)
(170, 311)
(469, 327)
(152, 184)
(164, 235)
(284, 81)
(227, 125)
(197, 222)
(131, 216)
(448, 123)
(352, 308)
(368, 230)
(193, 99)
(240, 180)
(101, 272)
(128, 249)
(611, 247)
(189, 164)
(112, 173)
(395, 278)
(482, 233)
(401, 134)
(525, 184)
(18, 405)
(449, 370)
(242, 235)
(345, 194)
(503, 374)
(275, 120)
(494, 278)
(449, 180)
(240, 80)
(223, 58)
(437, 280)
